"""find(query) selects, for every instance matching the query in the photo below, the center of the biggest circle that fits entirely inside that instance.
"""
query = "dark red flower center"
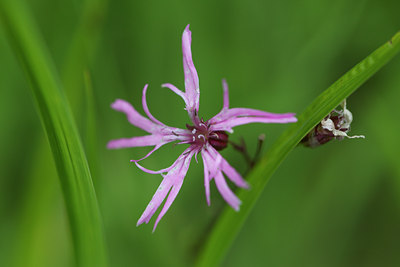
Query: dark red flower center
(218, 140)
(201, 135)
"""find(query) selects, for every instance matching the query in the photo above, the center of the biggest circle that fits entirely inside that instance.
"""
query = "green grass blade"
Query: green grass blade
(230, 222)
(90, 131)
(72, 167)
(82, 49)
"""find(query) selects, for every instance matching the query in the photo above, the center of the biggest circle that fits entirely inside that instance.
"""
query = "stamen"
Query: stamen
(201, 136)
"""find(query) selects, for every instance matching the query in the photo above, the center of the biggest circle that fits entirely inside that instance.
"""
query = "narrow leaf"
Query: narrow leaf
(71, 163)
(230, 222)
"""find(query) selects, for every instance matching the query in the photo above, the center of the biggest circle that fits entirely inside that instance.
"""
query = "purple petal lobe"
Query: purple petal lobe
(148, 154)
(226, 94)
(171, 197)
(134, 117)
(247, 112)
(156, 201)
(174, 180)
(227, 125)
(207, 178)
(213, 160)
(146, 108)
(156, 172)
(226, 192)
(176, 91)
(148, 140)
(232, 174)
(192, 90)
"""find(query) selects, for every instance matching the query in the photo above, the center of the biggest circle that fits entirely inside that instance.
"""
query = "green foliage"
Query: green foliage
(337, 205)
(62, 134)
(230, 222)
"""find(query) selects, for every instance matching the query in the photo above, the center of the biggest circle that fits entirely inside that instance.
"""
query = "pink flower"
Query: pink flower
(205, 137)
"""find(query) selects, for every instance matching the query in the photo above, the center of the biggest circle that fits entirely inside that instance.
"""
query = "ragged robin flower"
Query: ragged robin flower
(204, 137)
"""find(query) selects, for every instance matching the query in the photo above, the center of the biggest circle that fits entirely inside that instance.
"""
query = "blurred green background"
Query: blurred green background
(337, 205)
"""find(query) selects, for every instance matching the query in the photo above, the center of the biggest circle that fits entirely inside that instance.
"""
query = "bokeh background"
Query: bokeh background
(336, 205)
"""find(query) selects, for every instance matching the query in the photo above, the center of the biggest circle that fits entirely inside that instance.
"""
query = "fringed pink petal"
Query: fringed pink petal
(148, 154)
(184, 142)
(134, 117)
(233, 175)
(177, 175)
(146, 108)
(226, 94)
(176, 91)
(148, 140)
(156, 172)
(229, 124)
(183, 155)
(230, 172)
(247, 112)
(226, 192)
(204, 155)
(174, 180)
(155, 202)
(225, 106)
(171, 197)
(192, 90)
(214, 162)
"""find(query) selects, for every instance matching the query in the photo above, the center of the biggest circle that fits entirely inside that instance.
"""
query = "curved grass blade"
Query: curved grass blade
(230, 222)
(72, 167)
(90, 139)
(82, 49)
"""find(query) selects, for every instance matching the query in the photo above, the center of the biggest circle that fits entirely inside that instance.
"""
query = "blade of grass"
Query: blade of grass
(71, 163)
(90, 138)
(82, 50)
(230, 222)
(76, 75)
(84, 42)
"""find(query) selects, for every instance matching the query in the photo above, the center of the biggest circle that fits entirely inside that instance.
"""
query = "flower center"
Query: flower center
(201, 135)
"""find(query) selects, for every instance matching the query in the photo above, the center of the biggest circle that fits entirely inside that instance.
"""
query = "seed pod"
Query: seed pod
(334, 126)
